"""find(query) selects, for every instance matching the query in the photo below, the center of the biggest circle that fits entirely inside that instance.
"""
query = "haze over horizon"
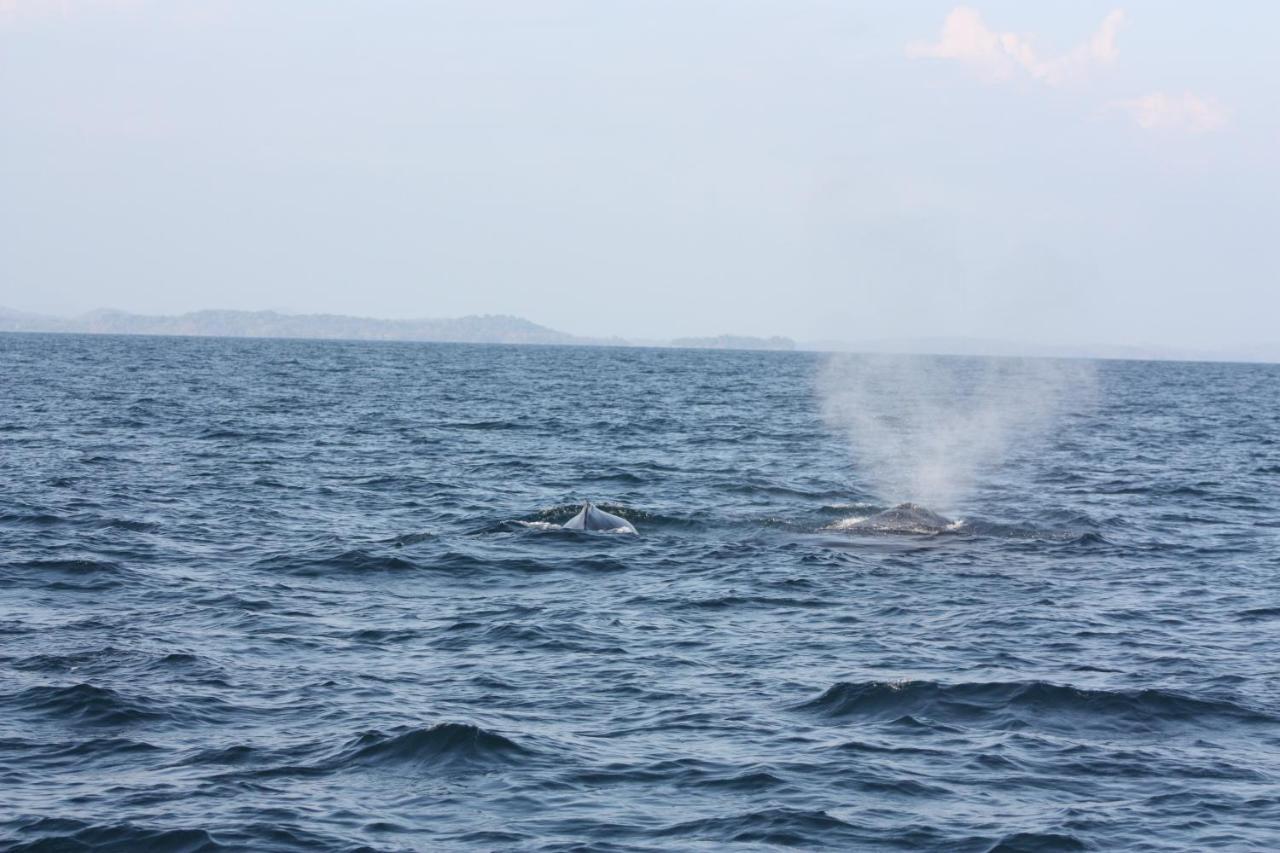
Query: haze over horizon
(1095, 173)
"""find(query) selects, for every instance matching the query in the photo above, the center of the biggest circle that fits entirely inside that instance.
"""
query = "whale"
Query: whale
(591, 517)
(903, 518)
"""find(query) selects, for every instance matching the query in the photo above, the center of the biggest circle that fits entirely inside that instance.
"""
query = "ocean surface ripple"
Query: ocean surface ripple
(285, 595)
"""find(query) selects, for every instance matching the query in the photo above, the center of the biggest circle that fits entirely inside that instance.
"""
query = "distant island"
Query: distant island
(506, 329)
(481, 329)
(735, 342)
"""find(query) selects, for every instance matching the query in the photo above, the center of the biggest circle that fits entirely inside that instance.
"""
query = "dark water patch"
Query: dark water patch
(69, 574)
(736, 602)
(81, 704)
(486, 425)
(58, 836)
(99, 751)
(407, 539)
(261, 761)
(354, 561)
(1036, 703)
(552, 637)
(1038, 842)
(1258, 614)
(359, 562)
(856, 746)
(33, 519)
(783, 827)
(75, 567)
(101, 659)
(270, 483)
(494, 839)
(228, 434)
(227, 756)
(619, 476)
(234, 601)
(682, 773)
(286, 830)
(452, 747)
(747, 782)
(380, 636)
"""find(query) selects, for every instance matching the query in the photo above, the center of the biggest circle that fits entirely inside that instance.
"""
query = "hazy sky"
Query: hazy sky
(1052, 172)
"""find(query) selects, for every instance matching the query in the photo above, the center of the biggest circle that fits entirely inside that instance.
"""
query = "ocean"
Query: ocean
(299, 595)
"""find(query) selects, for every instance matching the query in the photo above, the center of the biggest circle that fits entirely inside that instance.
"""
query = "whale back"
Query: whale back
(591, 517)
(905, 518)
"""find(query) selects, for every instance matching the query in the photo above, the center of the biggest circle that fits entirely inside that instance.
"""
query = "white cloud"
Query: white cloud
(966, 38)
(1164, 111)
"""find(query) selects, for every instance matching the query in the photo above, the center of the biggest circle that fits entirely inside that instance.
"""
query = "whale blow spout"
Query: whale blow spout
(591, 518)
(903, 518)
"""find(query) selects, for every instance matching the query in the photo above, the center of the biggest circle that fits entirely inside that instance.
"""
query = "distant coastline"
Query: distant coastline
(480, 329)
(507, 329)
(735, 342)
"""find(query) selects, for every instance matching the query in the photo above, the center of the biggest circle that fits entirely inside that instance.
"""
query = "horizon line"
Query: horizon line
(531, 333)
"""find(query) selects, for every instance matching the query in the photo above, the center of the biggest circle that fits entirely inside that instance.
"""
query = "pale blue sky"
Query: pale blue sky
(1054, 173)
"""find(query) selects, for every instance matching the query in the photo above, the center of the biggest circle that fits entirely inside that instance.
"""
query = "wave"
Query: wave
(1257, 614)
(76, 575)
(1003, 702)
(82, 704)
(356, 560)
(71, 567)
(1038, 842)
(31, 519)
(683, 772)
(749, 781)
(759, 485)
(104, 750)
(239, 436)
(445, 746)
(404, 540)
(105, 657)
(234, 600)
(247, 756)
(83, 520)
(455, 562)
(774, 826)
(59, 834)
(731, 601)
(556, 637)
(378, 636)
(490, 425)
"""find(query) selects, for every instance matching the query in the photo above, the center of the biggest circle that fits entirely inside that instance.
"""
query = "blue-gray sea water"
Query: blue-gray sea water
(286, 595)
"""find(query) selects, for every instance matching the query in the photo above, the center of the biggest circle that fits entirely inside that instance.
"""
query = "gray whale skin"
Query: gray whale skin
(904, 518)
(591, 518)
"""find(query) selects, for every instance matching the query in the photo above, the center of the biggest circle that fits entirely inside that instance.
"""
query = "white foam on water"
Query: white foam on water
(539, 525)
(846, 523)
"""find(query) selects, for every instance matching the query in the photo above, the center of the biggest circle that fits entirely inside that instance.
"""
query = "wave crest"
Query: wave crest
(82, 703)
(445, 746)
(979, 702)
